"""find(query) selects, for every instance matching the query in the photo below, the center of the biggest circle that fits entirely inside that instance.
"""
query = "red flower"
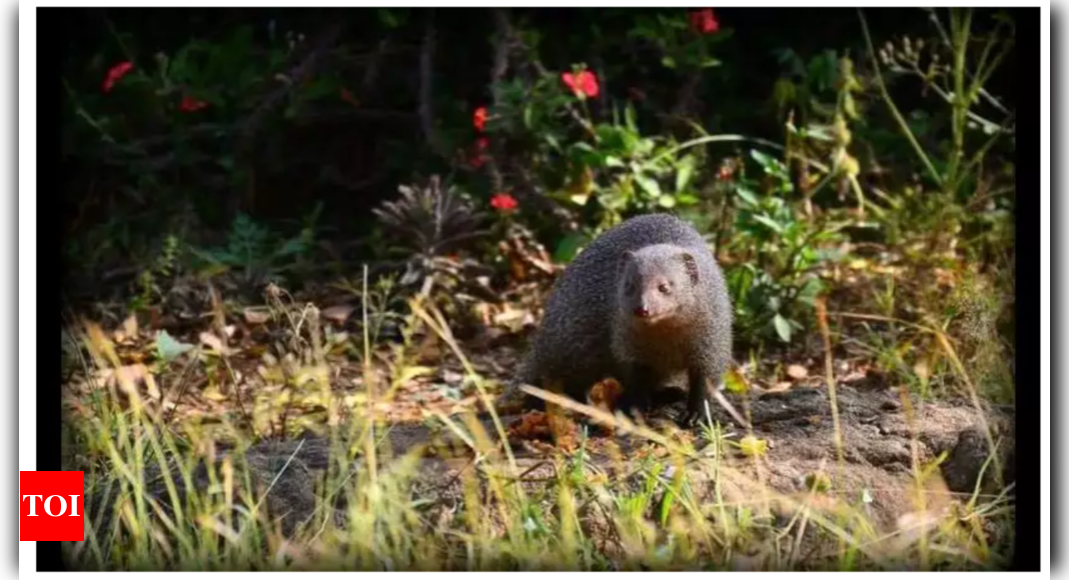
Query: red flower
(477, 154)
(583, 84)
(725, 172)
(479, 119)
(503, 202)
(703, 21)
(115, 73)
(189, 104)
(477, 161)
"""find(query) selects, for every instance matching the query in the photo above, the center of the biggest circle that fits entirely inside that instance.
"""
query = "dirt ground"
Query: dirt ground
(796, 424)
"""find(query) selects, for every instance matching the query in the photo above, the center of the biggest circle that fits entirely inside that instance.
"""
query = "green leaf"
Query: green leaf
(809, 292)
(684, 172)
(387, 18)
(783, 328)
(819, 132)
(629, 118)
(294, 246)
(772, 224)
(666, 201)
(168, 349)
(552, 141)
(669, 62)
(686, 198)
(569, 247)
(528, 116)
(735, 383)
(650, 186)
(747, 195)
(770, 164)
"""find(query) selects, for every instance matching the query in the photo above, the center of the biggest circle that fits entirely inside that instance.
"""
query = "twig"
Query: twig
(902, 124)
(829, 370)
(183, 384)
(369, 383)
(979, 155)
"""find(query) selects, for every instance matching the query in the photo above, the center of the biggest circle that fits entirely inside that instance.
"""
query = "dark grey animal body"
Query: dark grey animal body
(645, 303)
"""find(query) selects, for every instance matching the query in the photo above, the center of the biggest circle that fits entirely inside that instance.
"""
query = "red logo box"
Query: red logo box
(51, 506)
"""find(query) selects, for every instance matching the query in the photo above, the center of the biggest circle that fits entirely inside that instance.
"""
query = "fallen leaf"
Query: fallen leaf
(780, 387)
(129, 376)
(797, 372)
(452, 377)
(128, 330)
(531, 425)
(338, 314)
(257, 315)
(214, 342)
(168, 348)
(409, 373)
(213, 394)
(605, 394)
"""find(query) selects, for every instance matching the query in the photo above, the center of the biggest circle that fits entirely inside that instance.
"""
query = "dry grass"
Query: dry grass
(682, 506)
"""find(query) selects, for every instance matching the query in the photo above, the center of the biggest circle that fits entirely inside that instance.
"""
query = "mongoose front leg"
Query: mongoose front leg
(638, 384)
(696, 396)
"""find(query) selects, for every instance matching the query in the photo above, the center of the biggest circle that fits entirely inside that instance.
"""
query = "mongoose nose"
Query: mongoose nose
(642, 312)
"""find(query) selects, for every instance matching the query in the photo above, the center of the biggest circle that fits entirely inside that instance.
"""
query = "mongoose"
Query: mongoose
(645, 303)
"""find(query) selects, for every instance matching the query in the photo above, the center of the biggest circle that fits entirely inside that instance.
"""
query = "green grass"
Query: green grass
(681, 506)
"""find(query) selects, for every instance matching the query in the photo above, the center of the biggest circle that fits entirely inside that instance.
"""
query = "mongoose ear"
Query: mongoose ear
(625, 257)
(691, 266)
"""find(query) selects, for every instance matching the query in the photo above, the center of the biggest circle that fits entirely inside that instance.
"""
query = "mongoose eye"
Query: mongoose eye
(664, 288)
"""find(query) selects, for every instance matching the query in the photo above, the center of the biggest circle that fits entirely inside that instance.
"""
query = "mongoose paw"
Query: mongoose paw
(691, 418)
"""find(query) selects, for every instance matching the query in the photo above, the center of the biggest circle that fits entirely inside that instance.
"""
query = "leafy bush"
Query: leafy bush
(777, 253)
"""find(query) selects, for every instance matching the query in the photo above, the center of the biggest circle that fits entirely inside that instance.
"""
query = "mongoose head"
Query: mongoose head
(657, 283)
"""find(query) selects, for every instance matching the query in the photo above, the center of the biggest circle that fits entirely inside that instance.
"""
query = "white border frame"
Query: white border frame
(25, 110)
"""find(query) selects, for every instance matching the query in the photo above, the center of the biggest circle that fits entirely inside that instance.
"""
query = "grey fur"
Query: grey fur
(589, 331)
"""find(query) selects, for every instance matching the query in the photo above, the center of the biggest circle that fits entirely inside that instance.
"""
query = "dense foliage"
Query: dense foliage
(258, 143)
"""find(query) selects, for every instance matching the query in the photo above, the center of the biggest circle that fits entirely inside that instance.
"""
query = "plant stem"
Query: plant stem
(902, 124)
(959, 32)
(726, 138)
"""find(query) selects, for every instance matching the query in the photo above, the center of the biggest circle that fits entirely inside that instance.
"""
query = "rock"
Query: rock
(962, 468)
